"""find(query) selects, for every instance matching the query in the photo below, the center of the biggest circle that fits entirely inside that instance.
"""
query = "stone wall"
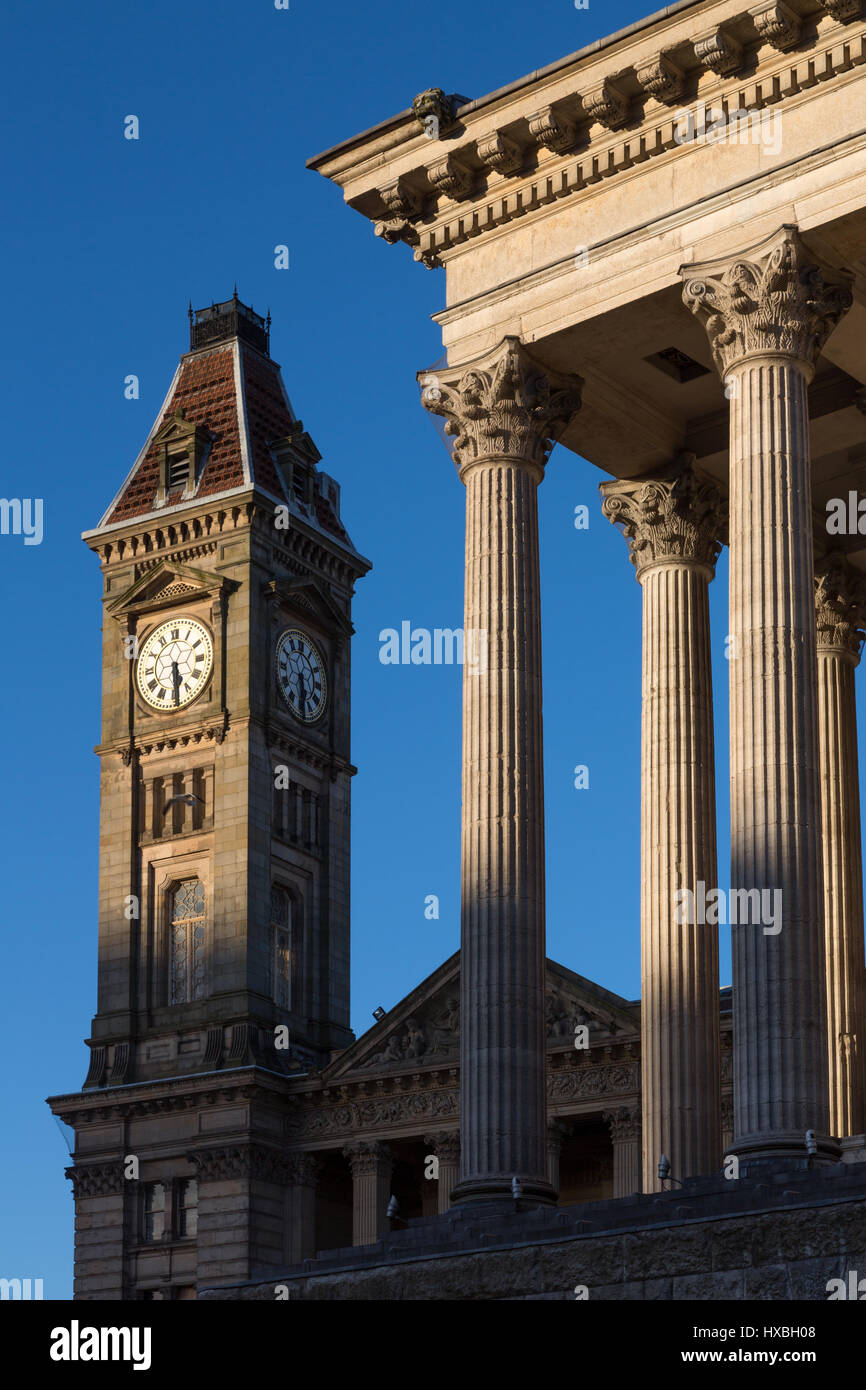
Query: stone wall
(777, 1237)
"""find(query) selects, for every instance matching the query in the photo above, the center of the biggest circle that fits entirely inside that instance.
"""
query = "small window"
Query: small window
(154, 1211)
(187, 1207)
(281, 930)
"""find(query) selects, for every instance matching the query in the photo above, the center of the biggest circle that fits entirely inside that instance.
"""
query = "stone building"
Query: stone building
(654, 253)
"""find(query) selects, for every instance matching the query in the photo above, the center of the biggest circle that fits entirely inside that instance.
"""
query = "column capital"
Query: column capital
(673, 516)
(367, 1157)
(303, 1169)
(775, 300)
(503, 407)
(445, 1144)
(624, 1123)
(840, 606)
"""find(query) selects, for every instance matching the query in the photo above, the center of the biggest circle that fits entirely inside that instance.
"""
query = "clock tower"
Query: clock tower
(223, 967)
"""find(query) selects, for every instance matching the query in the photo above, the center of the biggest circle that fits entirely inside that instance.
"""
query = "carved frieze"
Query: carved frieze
(232, 1161)
(581, 1083)
(96, 1179)
(431, 1033)
(371, 1114)
(779, 300)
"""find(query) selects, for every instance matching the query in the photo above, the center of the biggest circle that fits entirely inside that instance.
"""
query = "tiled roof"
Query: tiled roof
(241, 424)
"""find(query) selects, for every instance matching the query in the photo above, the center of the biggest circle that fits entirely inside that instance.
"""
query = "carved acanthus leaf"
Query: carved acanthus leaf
(367, 1158)
(720, 52)
(400, 199)
(553, 130)
(779, 300)
(499, 152)
(662, 78)
(840, 606)
(777, 24)
(624, 1123)
(451, 177)
(394, 229)
(96, 1179)
(674, 517)
(607, 104)
(232, 1161)
(843, 11)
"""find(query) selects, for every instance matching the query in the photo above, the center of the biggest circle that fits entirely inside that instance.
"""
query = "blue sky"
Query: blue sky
(105, 241)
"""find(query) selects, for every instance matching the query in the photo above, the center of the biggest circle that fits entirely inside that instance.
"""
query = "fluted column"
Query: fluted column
(502, 411)
(673, 524)
(557, 1132)
(445, 1144)
(840, 600)
(624, 1125)
(304, 1173)
(371, 1164)
(767, 316)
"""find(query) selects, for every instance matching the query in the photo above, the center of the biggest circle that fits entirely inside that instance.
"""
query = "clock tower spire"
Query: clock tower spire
(225, 779)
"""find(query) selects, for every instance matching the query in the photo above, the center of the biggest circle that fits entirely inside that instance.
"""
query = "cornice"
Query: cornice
(595, 119)
(166, 1095)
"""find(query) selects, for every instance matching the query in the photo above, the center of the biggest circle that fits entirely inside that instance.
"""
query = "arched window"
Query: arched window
(187, 923)
(281, 951)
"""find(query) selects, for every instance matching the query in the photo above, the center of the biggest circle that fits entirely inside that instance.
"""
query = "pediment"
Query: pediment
(168, 583)
(424, 1028)
(177, 429)
(309, 596)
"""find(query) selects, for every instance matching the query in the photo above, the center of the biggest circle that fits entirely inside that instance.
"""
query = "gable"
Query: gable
(424, 1028)
(165, 584)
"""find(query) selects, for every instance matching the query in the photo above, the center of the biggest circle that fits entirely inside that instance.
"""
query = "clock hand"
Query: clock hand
(175, 680)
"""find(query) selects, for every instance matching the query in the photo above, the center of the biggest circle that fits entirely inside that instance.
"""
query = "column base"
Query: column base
(497, 1191)
(785, 1151)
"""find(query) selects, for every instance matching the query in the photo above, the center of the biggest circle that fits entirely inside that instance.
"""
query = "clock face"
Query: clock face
(174, 664)
(301, 675)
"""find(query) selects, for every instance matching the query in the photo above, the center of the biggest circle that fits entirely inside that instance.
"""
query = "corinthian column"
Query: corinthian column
(673, 524)
(840, 601)
(371, 1164)
(767, 316)
(502, 411)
